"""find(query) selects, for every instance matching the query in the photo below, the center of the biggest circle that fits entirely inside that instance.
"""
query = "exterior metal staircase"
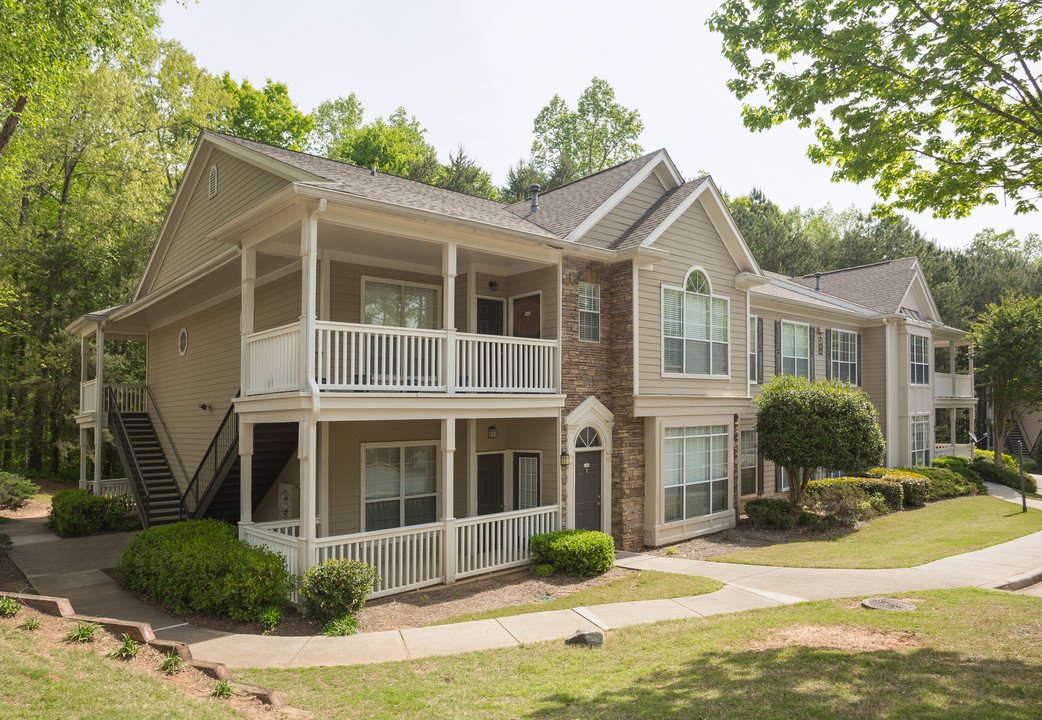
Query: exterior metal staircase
(1015, 439)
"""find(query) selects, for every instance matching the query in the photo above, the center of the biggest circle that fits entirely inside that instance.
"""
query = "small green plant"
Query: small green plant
(543, 570)
(336, 588)
(15, 491)
(127, 649)
(170, 663)
(75, 513)
(31, 623)
(222, 689)
(270, 617)
(340, 627)
(83, 632)
(425, 599)
(771, 514)
(9, 606)
(576, 552)
(671, 551)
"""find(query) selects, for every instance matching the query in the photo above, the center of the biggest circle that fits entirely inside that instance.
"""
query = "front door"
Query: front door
(490, 483)
(588, 490)
(526, 318)
(490, 316)
(526, 481)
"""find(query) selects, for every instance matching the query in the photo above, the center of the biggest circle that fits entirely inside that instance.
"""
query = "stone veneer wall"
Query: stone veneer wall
(605, 371)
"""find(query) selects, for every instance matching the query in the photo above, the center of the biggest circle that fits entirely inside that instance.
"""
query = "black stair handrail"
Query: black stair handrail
(129, 458)
(225, 440)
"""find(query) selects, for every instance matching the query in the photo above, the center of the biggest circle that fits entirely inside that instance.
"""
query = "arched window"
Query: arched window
(694, 328)
(588, 438)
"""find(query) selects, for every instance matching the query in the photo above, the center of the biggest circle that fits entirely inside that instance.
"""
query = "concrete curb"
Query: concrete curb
(1019, 582)
(142, 632)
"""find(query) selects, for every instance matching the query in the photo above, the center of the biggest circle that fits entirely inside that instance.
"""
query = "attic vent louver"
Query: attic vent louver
(212, 186)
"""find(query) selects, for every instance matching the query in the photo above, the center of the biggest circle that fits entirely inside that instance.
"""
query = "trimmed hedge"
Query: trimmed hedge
(336, 588)
(836, 504)
(916, 487)
(1008, 461)
(771, 513)
(15, 491)
(944, 483)
(75, 513)
(1003, 475)
(576, 552)
(962, 467)
(202, 566)
(891, 491)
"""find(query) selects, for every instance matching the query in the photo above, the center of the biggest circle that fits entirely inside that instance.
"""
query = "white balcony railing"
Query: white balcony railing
(949, 385)
(130, 398)
(494, 542)
(352, 357)
(88, 397)
(404, 558)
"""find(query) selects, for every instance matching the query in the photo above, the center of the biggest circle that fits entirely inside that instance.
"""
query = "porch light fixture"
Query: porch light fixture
(491, 432)
(493, 285)
(566, 459)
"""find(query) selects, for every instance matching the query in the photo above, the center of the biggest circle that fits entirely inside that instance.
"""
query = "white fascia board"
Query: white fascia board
(672, 217)
(718, 203)
(276, 167)
(925, 287)
(618, 196)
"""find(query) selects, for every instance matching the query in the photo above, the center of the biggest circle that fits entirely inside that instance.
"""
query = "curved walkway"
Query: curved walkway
(71, 568)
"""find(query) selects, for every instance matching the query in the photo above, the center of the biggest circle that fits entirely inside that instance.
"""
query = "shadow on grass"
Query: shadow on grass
(818, 683)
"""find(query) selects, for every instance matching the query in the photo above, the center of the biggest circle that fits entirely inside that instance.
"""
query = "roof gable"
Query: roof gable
(879, 286)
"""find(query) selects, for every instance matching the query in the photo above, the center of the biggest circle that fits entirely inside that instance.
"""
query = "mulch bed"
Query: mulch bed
(741, 537)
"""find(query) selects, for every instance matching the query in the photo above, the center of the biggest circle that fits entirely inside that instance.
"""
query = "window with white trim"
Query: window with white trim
(748, 462)
(395, 304)
(695, 471)
(401, 485)
(844, 356)
(795, 352)
(589, 312)
(694, 328)
(920, 440)
(920, 354)
(752, 349)
(527, 482)
(783, 480)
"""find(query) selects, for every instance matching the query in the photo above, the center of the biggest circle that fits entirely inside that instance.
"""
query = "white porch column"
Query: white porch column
(307, 451)
(245, 474)
(308, 287)
(99, 402)
(448, 454)
(448, 273)
(246, 316)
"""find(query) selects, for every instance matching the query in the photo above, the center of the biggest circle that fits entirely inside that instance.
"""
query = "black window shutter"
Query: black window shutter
(759, 473)
(777, 347)
(828, 354)
(859, 359)
(759, 351)
(810, 348)
(777, 478)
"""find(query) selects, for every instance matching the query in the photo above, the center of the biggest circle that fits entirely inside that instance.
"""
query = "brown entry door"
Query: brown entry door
(526, 318)
(588, 490)
(490, 484)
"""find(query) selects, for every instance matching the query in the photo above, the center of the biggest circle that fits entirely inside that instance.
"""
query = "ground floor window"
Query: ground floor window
(748, 464)
(920, 440)
(401, 485)
(695, 471)
(526, 481)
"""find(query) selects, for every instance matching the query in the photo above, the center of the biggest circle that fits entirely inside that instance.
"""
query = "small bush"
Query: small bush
(340, 627)
(817, 523)
(943, 483)
(543, 570)
(576, 552)
(83, 632)
(1003, 475)
(202, 566)
(127, 649)
(916, 487)
(31, 623)
(170, 663)
(9, 606)
(891, 491)
(336, 588)
(222, 689)
(771, 513)
(75, 513)
(963, 467)
(836, 504)
(15, 491)
(271, 617)
(987, 456)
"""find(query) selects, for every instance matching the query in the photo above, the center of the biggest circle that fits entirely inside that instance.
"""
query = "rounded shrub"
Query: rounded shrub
(75, 513)
(771, 513)
(915, 486)
(987, 456)
(576, 552)
(943, 483)
(963, 467)
(837, 503)
(336, 588)
(891, 491)
(15, 491)
(202, 566)
(1003, 475)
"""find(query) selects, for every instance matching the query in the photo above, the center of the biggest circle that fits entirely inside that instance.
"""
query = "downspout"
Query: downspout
(890, 393)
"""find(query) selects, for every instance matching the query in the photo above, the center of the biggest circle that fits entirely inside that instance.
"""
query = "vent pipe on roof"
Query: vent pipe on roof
(534, 187)
(794, 272)
(817, 281)
(373, 171)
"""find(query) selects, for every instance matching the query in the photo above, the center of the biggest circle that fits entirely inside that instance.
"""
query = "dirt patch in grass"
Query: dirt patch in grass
(741, 537)
(839, 637)
(11, 578)
(40, 504)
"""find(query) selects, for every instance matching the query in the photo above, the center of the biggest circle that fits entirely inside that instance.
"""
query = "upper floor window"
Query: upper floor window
(844, 356)
(795, 349)
(396, 304)
(920, 359)
(589, 312)
(694, 328)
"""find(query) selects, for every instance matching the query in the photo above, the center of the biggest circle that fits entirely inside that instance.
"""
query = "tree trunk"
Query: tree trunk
(11, 124)
(1001, 432)
(36, 428)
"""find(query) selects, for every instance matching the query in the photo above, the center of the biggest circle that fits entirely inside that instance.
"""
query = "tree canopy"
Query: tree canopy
(938, 104)
(266, 115)
(397, 146)
(1007, 355)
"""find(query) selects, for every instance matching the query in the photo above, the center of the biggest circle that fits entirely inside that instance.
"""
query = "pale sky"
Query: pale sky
(477, 73)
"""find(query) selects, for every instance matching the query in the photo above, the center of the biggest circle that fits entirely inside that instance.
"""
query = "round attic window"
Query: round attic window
(182, 341)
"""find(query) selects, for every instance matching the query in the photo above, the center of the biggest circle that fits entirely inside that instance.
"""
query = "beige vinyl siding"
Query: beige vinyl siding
(277, 303)
(240, 185)
(460, 317)
(524, 435)
(691, 241)
(625, 214)
(873, 370)
(542, 281)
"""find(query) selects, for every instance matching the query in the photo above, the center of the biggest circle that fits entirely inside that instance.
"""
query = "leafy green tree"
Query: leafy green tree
(776, 239)
(47, 42)
(938, 104)
(335, 121)
(599, 133)
(463, 175)
(803, 425)
(397, 146)
(266, 115)
(1007, 356)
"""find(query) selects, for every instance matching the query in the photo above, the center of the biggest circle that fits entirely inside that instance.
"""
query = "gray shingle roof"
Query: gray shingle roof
(656, 215)
(562, 209)
(390, 188)
(880, 286)
(821, 300)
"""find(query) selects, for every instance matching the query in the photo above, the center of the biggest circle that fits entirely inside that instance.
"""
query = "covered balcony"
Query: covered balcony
(953, 367)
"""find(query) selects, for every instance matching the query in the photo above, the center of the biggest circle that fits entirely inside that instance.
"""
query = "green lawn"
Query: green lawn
(979, 656)
(905, 539)
(643, 585)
